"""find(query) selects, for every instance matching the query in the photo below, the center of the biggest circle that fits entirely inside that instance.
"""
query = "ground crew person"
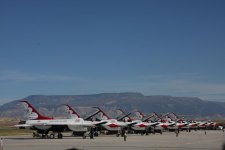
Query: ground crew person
(125, 136)
(1, 144)
(177, 132)
(92, 133)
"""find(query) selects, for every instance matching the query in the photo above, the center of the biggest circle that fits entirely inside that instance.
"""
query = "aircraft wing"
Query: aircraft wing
(154, 124)
(172, 124)
(22, 125)
(131, 124)
(98, 123)
(87, 124)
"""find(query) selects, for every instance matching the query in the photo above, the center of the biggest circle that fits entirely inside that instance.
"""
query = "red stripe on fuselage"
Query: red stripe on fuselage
(112, 125)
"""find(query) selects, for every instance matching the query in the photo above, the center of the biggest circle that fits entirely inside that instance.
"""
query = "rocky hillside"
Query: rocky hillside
(51, 105)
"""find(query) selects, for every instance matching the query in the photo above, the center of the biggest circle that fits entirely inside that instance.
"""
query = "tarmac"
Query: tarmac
(195, 140)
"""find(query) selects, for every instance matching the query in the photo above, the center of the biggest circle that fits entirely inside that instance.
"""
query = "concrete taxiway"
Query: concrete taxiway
(195, 140)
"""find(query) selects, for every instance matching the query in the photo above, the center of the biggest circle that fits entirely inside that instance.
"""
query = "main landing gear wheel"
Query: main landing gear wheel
(35, 135)
(52, 136)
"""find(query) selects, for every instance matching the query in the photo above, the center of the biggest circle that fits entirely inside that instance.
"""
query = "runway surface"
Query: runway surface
(195, 140)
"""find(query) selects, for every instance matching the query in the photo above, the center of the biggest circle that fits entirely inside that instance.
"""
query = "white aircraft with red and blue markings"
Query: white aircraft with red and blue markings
(43, 124)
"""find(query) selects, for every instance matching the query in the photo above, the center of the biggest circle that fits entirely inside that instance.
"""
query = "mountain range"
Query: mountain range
(51, 104)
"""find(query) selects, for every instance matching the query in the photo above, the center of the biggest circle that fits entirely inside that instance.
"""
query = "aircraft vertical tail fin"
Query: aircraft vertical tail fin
(140, 115)
(32, 113)
(72, 113)
(102, 114)
(124, 116)
(90, 117)
(149, 117)
(120, 111)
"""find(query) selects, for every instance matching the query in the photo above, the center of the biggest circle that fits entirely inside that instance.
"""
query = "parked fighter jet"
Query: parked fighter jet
(43, 125)
(138, 125)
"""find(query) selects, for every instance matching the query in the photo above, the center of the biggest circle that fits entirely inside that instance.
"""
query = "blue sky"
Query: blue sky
(156, 47)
